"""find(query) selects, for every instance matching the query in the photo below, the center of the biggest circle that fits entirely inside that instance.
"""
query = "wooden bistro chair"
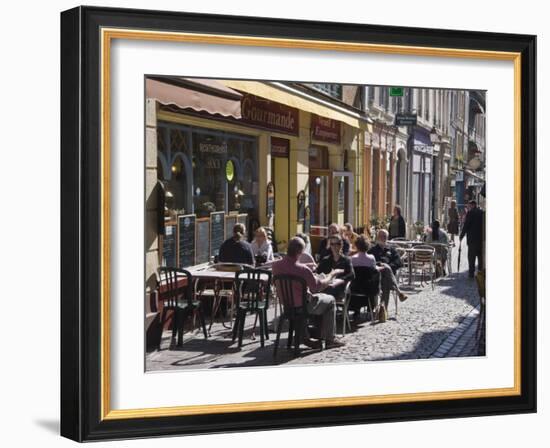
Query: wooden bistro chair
(176, 296)
(294, 312)
(423, 258)
(252, 288)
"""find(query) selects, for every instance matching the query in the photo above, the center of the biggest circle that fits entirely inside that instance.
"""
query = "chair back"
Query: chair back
(366, 281)
(290, 288)
(252, 287)
(174, 283)
(424, 254)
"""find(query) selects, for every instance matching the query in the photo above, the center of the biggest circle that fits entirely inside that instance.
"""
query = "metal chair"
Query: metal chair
(423, 256)
(175, 286)
(218, 290)
(294, 309)
(343, 306)
(252, 289)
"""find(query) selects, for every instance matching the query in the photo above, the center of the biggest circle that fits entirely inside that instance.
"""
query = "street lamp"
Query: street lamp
(434, 138)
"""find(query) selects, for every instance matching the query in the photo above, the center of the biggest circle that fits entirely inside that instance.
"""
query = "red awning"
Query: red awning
(200, 95)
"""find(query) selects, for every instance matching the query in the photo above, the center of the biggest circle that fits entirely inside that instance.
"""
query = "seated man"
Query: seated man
(387, 261)
(318, 303)
(336, 260)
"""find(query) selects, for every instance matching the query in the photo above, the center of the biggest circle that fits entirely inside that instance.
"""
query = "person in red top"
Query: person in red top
(318, 303)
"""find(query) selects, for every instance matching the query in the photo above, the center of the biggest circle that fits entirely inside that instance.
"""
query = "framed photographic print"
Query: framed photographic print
(394, 279)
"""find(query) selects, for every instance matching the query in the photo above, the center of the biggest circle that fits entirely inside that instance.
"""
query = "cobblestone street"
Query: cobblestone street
(432, 323)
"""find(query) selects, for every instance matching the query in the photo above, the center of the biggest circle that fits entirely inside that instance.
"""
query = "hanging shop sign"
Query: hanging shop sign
(267, 114)
(280, 147)
(270, 200)
(229, 170)
(325, 129)
(301, 206)
(307, 221)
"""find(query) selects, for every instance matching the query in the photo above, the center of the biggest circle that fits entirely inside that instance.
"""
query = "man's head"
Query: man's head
(382, 237)
(472, 204)
(362, 244)
(333, 229)
(239, 231)
(295, 247)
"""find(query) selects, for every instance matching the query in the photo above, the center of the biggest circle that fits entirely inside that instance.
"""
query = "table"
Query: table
(209, 273)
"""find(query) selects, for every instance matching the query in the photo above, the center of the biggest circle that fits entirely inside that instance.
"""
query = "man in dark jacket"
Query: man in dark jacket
(384, 253)
(473, 229)
(236, 249)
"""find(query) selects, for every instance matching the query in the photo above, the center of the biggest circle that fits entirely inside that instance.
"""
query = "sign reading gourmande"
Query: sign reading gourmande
(267, 114)
(325, 129)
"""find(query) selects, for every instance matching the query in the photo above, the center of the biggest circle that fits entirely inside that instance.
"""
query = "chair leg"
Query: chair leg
(298, 335)
(235, 330)
(174, 323)
(203, 322)
(290, 332)
(241, 326)
(162, 322)
(260, 314)
(278, 337)
(179, 319)
(266, 327)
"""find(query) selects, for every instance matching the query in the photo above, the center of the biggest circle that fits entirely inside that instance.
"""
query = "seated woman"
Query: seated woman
(350, 236)
(367, 279)
(438, 235)
(261, 246)
(336, 260)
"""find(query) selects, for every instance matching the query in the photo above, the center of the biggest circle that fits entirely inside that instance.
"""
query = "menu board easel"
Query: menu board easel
(169, 249)
(202, 243)
(217, 232)
(230, 221)
(186, 240)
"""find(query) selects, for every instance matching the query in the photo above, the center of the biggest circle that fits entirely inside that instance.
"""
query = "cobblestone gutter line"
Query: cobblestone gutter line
(462, 341)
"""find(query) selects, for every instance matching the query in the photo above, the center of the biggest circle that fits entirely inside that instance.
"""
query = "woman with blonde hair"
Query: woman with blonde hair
(261, 246)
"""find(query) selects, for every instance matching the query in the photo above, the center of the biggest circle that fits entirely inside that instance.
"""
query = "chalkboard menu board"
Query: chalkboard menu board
(230, 221)
(186, 240)
(202, 245)
(242, 219)
(217, 232)
(341, 196)
(169, 247)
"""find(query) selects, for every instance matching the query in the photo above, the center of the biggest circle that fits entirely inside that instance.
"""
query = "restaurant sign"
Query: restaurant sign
(267, 114)
(280, 147)
(325, 129)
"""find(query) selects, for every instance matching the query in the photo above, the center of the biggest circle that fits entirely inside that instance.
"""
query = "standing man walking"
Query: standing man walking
(473, 229)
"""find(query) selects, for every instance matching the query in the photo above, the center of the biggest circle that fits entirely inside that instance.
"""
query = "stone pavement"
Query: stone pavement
(439, 322)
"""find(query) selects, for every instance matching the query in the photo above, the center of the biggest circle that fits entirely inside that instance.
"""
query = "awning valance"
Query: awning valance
(294, 99)
(200, 95)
